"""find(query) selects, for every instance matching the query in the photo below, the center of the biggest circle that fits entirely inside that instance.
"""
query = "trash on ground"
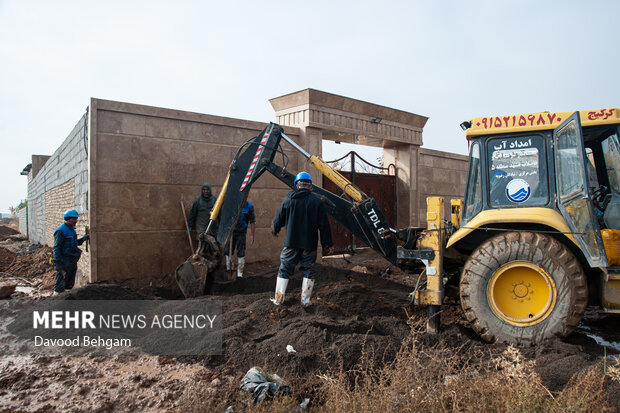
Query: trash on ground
(257, 383)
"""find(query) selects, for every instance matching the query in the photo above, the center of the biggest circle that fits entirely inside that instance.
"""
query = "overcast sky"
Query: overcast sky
(447, 60)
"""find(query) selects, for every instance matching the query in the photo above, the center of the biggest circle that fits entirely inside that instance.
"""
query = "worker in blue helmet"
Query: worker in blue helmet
(66, 252)
(304, 215)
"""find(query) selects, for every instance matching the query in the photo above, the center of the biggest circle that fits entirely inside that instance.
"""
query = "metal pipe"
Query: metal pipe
(433, 321)
(299, 148)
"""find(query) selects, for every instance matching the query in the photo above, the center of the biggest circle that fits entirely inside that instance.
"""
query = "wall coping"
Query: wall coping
(146, 110)
(315, 97)
(434, 152)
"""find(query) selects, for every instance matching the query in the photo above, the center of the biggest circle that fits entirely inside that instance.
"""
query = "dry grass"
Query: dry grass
(441, 380)
(432, 379)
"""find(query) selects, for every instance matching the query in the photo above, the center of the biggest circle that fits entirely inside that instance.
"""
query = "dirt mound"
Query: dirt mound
(6, 232)
(357, 316)
(7, 258)
(352, 312)
(32, 265)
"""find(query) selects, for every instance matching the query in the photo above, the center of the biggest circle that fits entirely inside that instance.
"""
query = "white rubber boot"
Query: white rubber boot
(306, 291)
(240, 265)
(227, 263)
(280, 291)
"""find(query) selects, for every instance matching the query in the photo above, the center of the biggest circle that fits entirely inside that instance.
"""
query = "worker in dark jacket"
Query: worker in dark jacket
(200, 214)
(303, 214)
(246, 218)
(66, 252)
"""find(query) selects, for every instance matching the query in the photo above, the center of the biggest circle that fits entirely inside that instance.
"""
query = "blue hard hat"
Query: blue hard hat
(71, 213)
(303, 176)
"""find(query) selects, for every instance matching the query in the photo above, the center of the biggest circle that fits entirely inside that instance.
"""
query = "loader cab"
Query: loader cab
(540, 223)
(557, 172)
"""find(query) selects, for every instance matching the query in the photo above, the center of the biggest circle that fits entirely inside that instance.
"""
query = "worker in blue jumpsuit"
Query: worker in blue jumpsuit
(66, 252)
(246, 218)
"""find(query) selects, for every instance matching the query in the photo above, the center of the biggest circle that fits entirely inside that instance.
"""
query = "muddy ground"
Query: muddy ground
(359, 311)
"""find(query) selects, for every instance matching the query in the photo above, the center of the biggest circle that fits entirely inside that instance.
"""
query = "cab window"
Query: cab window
(591, 169)
(473, 193)
(569, 163)
(517, 171)
(611, 153)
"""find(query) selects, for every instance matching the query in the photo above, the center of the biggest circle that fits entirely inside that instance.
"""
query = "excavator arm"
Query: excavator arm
(354, 210)
(357, 212)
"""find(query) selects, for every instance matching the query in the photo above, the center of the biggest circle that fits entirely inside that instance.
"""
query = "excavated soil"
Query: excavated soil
(32, 265)
(7, 257)
(28, 265)
(356, 315)
(7, 232)
(351, 311)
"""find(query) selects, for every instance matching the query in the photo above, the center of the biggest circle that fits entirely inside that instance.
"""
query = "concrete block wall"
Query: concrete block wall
(144, 162)
(440, 174)
(61, 183)
(36, 218)
(22, 216)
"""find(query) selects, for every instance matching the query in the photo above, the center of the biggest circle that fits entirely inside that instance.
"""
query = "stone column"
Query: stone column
(405, 157)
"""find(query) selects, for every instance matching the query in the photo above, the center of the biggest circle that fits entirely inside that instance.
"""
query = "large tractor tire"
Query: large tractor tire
(522, 288)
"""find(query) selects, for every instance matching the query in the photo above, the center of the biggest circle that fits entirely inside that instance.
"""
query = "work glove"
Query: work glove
(84, 238)
(273, 230)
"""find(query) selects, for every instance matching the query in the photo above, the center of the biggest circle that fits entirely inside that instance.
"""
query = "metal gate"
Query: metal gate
(376, 181)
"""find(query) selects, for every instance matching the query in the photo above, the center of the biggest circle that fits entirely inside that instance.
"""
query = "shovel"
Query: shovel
(194, 276)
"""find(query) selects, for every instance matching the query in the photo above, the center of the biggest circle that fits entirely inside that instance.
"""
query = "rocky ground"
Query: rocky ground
(360, 311)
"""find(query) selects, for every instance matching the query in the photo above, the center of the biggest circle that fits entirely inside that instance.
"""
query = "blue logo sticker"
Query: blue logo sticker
(518, 190)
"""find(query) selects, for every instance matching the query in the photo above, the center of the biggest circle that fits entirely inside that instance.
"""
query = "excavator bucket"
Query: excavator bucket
(195, 275)
(192, 276)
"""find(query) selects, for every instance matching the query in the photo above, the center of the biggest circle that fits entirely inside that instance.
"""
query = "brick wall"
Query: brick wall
(57, 201)
(60, 184)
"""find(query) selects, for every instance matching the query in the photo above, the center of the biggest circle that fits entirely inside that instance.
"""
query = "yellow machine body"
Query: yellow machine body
(611, 240)
(433, 238)
(494, 125)
(544, 216)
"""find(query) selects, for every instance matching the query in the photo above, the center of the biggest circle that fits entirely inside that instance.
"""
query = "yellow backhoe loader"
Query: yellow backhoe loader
(535, 239)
